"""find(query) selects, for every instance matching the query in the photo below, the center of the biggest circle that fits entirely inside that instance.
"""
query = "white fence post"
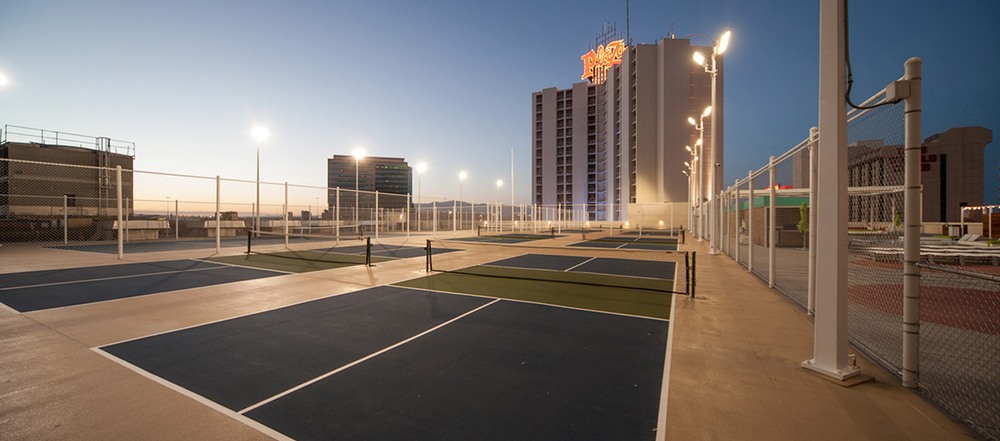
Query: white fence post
(284, 215)
(65, 219)
(121, 243)
(813, 169)
(750, 222)
(772, 217)
(218, 214)
(911, 238)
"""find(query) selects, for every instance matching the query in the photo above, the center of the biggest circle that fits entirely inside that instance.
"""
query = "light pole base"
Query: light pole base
(852, 376)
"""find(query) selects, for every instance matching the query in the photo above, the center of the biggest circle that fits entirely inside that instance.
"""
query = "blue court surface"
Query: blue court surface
(399, 363)
(35, 290)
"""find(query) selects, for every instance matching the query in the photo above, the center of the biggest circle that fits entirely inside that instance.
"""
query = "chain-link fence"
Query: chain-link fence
(960, 342)
(766, 224)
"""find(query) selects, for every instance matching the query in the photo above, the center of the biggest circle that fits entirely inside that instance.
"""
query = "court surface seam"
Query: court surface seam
(363, 359)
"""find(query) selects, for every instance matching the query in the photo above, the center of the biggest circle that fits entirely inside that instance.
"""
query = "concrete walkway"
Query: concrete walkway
(735, 372)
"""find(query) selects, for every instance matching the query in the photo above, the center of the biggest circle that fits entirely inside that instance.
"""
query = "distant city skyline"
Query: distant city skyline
(447, 83)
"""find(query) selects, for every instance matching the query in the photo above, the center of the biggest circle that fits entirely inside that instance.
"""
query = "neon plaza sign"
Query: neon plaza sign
(597, 62)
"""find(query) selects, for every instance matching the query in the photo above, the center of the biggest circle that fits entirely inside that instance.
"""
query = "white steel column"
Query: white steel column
(830, 329)
(911, 238)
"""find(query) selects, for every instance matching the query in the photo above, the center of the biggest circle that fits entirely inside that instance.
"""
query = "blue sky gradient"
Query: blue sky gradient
(446, 82)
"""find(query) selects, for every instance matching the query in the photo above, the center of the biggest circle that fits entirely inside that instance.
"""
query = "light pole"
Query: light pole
(499, 205)
(359, 154)
(700, 145)
(461, 179)
(715, 181)
(421, 168)
(260, 134)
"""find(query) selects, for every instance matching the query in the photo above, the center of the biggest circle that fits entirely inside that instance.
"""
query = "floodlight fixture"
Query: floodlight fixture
(708, 111)
(359, 153)
(699, 58)
(692, 121)
(723, 43)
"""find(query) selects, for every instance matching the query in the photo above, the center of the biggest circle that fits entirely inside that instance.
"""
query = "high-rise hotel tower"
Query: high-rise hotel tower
(606, 146)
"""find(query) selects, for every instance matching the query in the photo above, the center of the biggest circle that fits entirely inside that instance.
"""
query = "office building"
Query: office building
(391, 177)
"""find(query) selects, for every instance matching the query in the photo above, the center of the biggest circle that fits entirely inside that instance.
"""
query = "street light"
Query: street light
(260, 134)
(421, 168)
(461, 179)
(699, 144)
(715, 180)
(359, 154)
(499, 205)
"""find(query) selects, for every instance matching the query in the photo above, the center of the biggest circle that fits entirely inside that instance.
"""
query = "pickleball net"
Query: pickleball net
(662, 237)
(310, 247)
(651, 270)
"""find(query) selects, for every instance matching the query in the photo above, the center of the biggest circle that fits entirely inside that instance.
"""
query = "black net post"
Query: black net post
(368, 251)
(553, 232)
(428, 250)
(694, 273)
(479, 232)
(249, 234)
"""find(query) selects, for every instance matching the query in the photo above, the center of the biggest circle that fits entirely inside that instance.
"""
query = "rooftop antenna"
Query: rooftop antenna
(628, 27)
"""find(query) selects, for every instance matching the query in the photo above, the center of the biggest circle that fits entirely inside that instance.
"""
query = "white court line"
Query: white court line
(243, 266)
(363, 359)
(211, 404)
(101, 279)
(661, 417)
(580, 264)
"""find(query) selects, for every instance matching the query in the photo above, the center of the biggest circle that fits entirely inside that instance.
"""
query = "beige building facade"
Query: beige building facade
(601, 148)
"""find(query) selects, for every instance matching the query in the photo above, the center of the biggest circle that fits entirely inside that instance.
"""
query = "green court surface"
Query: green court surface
(297, 261)
(640, 302)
